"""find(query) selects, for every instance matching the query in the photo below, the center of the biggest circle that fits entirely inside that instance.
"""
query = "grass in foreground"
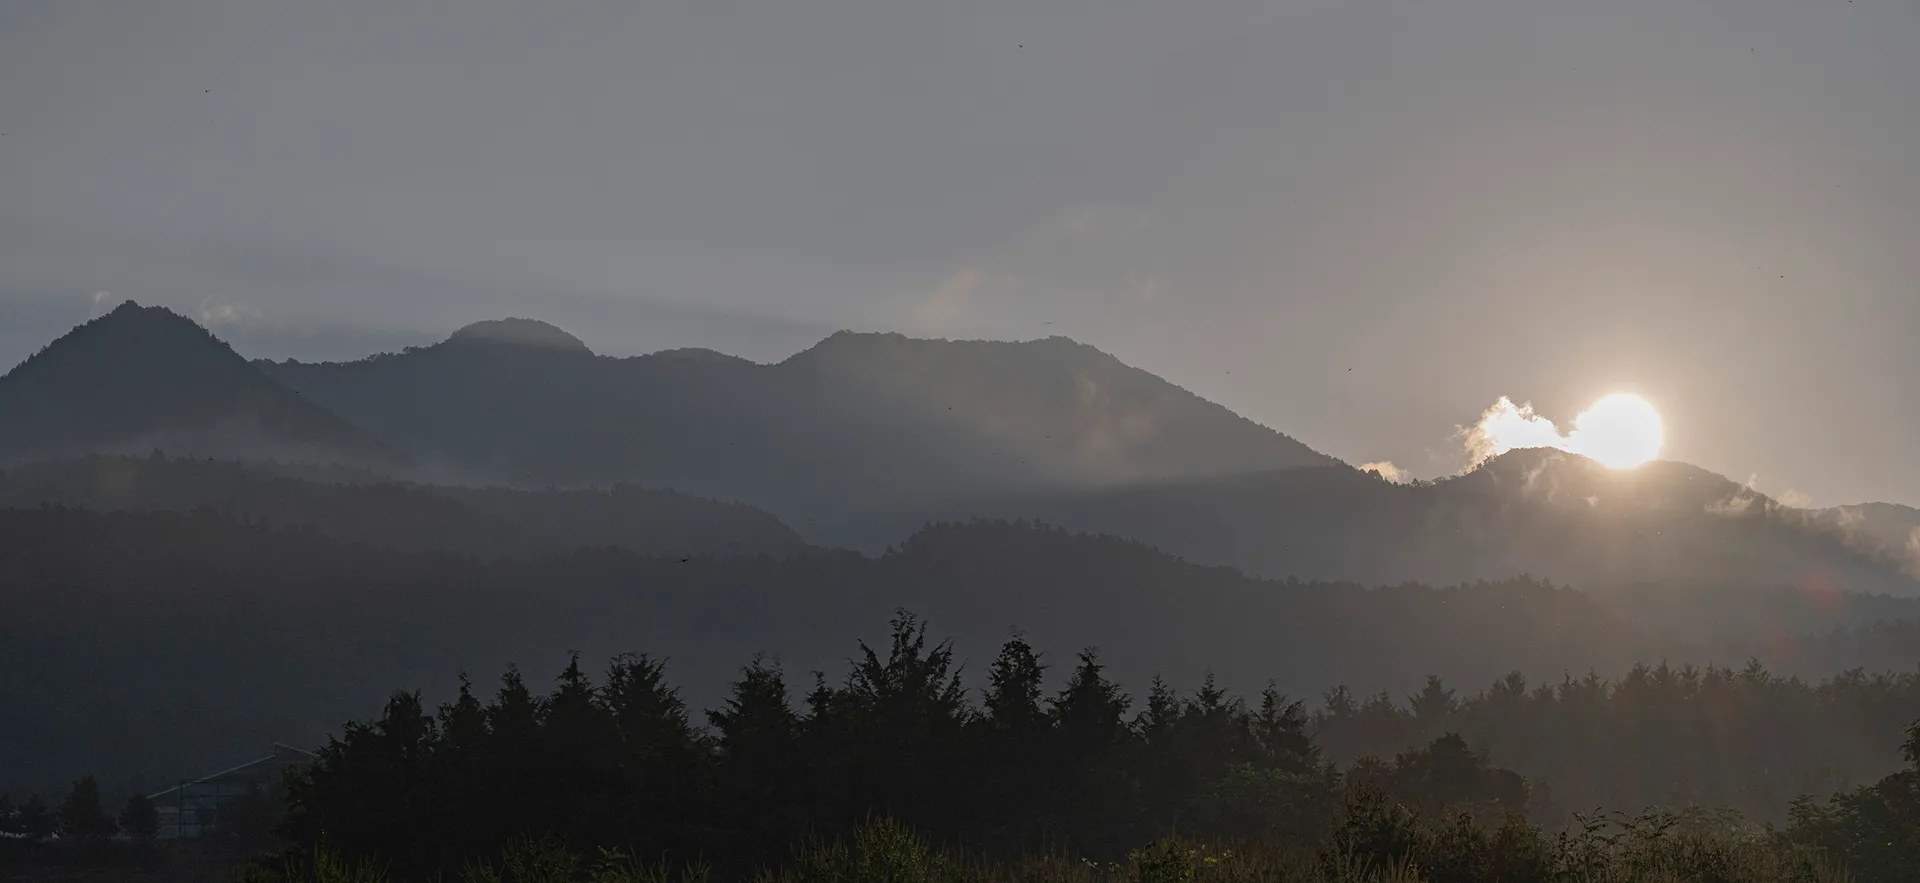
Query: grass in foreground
(1363, 850)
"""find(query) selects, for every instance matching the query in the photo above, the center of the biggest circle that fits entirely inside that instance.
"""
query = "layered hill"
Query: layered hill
(863, 438)
(485, 522)
(140, 378)
(171, 643)
(1546, 513)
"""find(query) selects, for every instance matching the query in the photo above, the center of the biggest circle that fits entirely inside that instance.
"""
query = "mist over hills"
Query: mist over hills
(1542, 512)
(863, 438)
(184, 592)
(1893, 526)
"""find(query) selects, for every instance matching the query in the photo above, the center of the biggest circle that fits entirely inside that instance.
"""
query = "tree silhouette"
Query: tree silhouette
(1876, 827)
(140, 818)
(36, 819)
(81, 814)
(619, 764)
(761, 778)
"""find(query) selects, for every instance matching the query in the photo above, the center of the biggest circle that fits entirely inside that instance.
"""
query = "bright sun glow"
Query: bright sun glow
(1620, 431)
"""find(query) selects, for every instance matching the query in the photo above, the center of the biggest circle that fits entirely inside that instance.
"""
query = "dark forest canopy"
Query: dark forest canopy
(1022, 764)
(168, 644)
(547, 772)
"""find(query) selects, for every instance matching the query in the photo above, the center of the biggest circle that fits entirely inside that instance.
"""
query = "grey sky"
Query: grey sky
(1715, 204)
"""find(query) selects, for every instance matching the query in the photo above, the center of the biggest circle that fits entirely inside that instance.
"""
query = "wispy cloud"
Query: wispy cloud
(936, 314)
(1386, 470)
(215, 314)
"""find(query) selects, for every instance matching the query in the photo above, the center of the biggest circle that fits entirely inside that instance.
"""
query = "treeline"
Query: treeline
(1660, 736)
(211, 636)
(81, 815)
(1084, 767)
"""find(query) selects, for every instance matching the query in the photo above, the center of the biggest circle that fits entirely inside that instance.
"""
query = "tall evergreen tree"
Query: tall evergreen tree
(81, 815)
(666, 766)
(463, 726)
(763, 769)
(1090, 711)
(140, 818)
(1015, 682)
(757, 722)
(579, 738)
(1096, 806)
(908, 712)
(1280, 734)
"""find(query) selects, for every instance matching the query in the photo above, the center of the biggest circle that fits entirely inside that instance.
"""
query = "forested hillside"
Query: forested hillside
(167, 644)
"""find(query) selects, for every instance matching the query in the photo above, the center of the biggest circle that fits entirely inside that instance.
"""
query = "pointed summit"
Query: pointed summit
(143, 377)
(530, 333)
(130, 307)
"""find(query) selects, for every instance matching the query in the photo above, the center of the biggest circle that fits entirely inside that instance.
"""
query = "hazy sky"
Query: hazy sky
(1715, 204)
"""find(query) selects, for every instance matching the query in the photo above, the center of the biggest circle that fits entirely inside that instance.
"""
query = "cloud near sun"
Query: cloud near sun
(1620, 431)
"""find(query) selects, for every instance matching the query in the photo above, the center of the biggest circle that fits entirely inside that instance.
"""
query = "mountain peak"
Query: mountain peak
(144, 377)
(859, 344)
(126, 334)
(698, 354)
(130, 311)
(515, 331)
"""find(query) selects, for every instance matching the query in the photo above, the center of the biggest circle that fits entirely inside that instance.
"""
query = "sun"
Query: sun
(1620, 431)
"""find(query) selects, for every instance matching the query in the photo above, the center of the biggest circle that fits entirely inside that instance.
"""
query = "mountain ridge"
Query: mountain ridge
(140, 377)
(515, 331)
(855, 420)
(1540, 512)
(864, 437)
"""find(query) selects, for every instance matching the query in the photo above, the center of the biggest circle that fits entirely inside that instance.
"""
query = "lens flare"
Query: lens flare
(1620, 431)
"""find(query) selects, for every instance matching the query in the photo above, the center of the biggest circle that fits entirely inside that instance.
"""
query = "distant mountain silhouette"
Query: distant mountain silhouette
(863, 438)
(518, 332)
(144, 377)
(856, 422)
(1546, 513)
(486, 522)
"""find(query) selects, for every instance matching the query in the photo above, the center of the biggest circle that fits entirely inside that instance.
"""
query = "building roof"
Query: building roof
(282, 756)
